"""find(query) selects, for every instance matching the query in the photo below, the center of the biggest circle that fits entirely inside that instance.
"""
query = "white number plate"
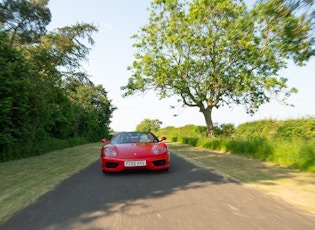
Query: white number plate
(135, 163)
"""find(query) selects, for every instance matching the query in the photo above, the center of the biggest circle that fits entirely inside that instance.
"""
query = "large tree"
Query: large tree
(214, 53)
(46, 95)
(24, 20)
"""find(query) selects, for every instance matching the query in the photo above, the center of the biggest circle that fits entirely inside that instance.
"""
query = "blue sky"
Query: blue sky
(117, 21)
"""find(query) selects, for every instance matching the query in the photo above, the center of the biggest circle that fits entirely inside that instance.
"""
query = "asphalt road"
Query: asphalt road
(185, 197)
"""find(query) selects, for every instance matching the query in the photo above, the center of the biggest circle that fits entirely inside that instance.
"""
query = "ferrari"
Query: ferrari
(134, 150)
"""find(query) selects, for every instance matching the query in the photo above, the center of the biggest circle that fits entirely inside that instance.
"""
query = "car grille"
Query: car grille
(111, 165)
(159, 163)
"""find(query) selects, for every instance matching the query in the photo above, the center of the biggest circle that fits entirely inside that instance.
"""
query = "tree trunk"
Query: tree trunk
(207, 113)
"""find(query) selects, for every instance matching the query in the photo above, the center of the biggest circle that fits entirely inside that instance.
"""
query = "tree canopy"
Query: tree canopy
(214, 53)
(47, 98)
(24, 21)
(149, 125)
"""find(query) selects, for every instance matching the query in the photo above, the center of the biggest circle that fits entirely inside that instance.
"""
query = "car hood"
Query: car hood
(135, 150)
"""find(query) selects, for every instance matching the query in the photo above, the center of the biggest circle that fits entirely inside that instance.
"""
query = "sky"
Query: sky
(117, 21)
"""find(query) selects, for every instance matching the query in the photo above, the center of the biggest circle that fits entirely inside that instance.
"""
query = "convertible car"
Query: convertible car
(134, 150)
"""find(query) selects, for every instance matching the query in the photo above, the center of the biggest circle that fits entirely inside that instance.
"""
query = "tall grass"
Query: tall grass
(288, 143)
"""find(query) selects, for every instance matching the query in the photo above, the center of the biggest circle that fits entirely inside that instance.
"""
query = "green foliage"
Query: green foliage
(195, 131)
(297, 153)
(224, 130)
(148, 125)
(262, 128)
(15, 95)
(302, 128)
(47, 100)
(187, 131)
(289, 143)
(28, 148)
(25, 21)
(190, 140)
(257, 147)
(215, 53)
(271, 129)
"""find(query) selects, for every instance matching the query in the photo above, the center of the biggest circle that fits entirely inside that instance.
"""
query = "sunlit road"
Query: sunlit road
(185, 197)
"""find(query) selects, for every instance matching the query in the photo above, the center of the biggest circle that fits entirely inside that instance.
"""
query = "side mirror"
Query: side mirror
(105, 141)
(163, 139)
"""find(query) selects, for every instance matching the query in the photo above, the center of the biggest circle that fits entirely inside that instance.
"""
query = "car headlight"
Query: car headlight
(160, 150)
(110, 152)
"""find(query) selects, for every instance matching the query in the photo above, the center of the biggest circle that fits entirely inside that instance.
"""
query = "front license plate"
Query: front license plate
(135, 163)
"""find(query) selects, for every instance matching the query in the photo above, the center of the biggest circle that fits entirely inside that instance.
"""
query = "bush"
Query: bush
(303, 128)
(190, 140)
(289, 143)
(263, 128)
(297, 153)
(23, 150)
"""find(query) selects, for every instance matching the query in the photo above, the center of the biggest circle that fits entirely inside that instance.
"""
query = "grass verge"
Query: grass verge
(292, 186)
(24, 181)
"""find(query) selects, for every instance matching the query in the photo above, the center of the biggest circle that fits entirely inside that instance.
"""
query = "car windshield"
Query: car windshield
(134, 137)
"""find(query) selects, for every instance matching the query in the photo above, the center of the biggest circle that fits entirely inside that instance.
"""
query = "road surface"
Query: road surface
(185, 197)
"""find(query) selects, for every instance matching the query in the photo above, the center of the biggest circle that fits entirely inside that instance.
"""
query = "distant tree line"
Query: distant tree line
(149, 125)
(46, 98)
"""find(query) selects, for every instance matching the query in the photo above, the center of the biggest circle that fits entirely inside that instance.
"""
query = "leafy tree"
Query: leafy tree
(68, 44)
(305, 7)
(15, 88)
(56, 57)
(148, 125)
(24, 20)
(214, 53)
(65, 47)
(93, 117)
(46, 96)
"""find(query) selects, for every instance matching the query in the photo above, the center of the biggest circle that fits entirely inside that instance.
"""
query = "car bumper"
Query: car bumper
(118, 165)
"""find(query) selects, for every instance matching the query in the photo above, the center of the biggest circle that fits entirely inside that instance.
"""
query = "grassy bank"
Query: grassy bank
(289, 143)
(23, 181)
(294, 153)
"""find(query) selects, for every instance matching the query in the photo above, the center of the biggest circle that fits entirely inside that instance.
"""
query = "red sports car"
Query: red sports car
(134, 150)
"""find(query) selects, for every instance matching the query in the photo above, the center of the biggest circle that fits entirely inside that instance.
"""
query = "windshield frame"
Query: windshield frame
(134, 137)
